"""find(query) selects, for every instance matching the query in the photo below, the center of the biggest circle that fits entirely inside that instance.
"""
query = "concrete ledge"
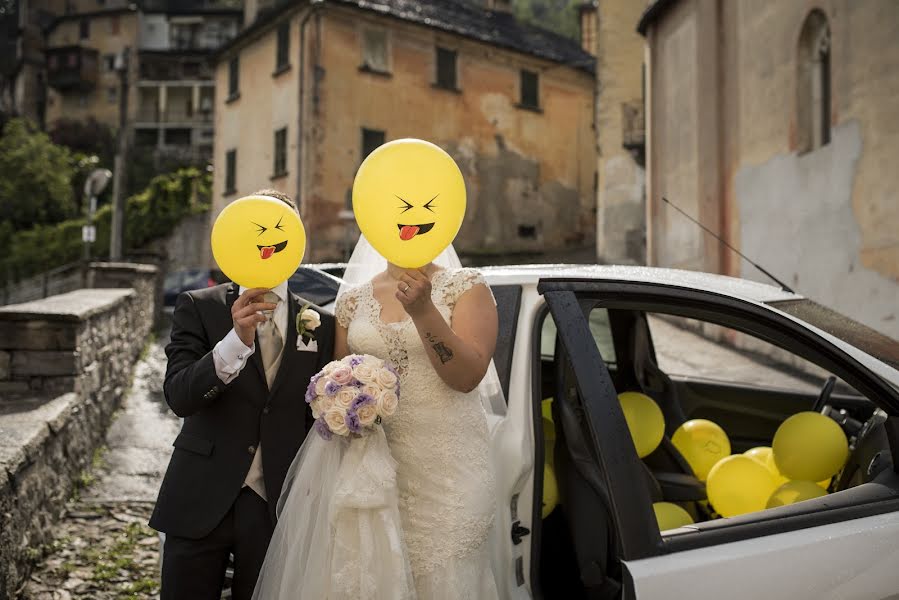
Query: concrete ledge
(73, 306)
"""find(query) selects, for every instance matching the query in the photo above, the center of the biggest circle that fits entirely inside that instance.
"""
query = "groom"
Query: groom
(237, 377)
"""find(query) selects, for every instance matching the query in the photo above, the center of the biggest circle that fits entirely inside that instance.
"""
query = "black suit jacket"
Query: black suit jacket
(223, 424)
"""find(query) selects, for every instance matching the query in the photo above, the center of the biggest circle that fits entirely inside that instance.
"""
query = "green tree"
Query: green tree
(559, 16)
(35, 177)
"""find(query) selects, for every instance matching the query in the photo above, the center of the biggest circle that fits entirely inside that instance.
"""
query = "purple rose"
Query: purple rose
(352, 422)
(356, 383)
(322, 429)
(360, 401)
(356, 360)
(332, 388)
(310, 389)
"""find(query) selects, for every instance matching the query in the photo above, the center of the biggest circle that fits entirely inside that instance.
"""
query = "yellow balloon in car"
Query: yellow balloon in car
(702, 443)
(409, 201)
(810, 447)
(738, 485)
(644, 420)
(764, 455)
(550, 490)
(670, 516)
(258, 241)
(795, 491)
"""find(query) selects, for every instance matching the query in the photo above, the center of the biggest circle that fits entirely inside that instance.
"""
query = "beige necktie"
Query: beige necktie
(271, 345)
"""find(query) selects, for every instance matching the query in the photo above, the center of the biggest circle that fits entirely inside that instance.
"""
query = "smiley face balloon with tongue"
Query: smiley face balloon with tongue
(409, 201)
(258, 241)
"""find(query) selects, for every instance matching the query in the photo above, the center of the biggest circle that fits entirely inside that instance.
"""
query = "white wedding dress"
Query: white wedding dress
(358, 522)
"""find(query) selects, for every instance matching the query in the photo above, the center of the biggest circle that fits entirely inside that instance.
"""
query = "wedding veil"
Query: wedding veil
(366, 262)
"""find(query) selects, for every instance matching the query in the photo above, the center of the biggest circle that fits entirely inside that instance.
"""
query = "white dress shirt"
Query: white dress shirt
(230, 355)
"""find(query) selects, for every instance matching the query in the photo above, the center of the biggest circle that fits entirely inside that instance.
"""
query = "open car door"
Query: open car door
(840, 545)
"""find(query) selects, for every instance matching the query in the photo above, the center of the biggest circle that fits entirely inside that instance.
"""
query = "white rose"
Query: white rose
(310, 319)
(367, 414)
(325, 403)
(385, 378)
(316, 406)
(331, 366)
(334, 418)
(344, 398)
(387, 402)
(371, 390)
(320, 386)
(364, 373)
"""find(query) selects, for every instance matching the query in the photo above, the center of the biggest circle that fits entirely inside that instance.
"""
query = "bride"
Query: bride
(437, 325)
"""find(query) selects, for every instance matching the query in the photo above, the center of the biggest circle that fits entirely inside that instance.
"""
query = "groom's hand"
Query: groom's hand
(245, 314)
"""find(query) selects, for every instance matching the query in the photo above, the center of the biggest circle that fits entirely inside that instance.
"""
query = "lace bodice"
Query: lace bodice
(438, 435)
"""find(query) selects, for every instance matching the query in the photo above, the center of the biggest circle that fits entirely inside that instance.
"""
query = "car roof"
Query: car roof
(710, 282)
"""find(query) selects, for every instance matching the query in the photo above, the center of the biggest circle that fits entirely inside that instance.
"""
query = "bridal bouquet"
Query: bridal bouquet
(352, 395)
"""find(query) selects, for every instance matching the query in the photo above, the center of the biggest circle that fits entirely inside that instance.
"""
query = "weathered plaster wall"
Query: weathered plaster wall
(247, 123)
(525, 170)
(621, 188)
(724, 146)
(797, 219)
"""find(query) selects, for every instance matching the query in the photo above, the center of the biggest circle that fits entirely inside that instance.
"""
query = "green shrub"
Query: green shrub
(149, 215)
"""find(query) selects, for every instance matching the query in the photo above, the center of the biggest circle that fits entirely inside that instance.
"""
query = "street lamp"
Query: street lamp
(94, 185)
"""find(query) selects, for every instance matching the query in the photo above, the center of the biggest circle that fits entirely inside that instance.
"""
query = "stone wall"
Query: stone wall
(65, 362)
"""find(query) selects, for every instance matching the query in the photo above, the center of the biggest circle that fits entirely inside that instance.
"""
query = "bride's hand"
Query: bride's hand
(413, 290)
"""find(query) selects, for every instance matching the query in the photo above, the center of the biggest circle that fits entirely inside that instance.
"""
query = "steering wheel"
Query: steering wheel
(824, 396)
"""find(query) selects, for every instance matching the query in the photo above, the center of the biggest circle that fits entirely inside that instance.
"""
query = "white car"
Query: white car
(583, 334)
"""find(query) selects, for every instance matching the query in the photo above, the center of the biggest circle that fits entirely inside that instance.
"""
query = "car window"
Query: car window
(691, 348)
(599, 327)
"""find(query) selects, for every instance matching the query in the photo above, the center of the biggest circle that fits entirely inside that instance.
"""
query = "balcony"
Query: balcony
(72, 68)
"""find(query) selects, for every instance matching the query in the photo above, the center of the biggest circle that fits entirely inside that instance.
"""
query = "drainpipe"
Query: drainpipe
(315, 6)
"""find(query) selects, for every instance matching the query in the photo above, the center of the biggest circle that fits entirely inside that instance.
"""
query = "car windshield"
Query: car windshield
(861, 336)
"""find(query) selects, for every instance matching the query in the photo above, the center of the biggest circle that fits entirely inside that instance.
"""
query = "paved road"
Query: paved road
(103, 548)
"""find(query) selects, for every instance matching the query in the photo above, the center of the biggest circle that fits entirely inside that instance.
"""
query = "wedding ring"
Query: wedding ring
(407, 288)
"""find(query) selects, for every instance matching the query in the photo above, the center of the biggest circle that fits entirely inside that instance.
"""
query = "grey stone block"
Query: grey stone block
(4, 365)
(30, 363)
(37, 335)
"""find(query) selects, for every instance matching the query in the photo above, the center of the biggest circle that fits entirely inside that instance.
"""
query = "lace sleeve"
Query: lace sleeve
(459, 282)
(345, 307)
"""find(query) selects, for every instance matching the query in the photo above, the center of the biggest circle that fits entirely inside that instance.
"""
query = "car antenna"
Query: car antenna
(783, 286)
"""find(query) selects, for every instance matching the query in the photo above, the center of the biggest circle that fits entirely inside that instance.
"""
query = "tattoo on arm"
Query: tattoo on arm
(444, 352)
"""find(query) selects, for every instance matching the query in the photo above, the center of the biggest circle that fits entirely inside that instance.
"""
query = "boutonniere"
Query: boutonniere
(308, 321)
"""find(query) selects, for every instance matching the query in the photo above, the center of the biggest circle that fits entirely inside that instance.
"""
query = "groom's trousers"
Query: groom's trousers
(195, 569)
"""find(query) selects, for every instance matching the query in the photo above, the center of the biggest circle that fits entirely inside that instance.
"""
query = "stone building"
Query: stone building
(776, 124)
(69, 65)
(608, 32)
(307, 90)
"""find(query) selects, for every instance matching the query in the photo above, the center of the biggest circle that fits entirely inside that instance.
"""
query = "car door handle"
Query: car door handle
(518, 532)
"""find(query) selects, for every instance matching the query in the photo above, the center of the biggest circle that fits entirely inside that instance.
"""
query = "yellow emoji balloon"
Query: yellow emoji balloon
(409, 201)
(258, 241)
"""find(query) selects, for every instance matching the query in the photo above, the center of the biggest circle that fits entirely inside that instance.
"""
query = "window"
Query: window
(371, 139)
(114, 24)
(280, 166)
(233, 78)
(230, 171)
(599, 327)
(813, 81)
(282, 60)
(146, 137)
(374, 51)
(688, 348)
(177, 137)
(84, 29)
(446, 69)
(530, 91)
(111, 95)
(109, 62)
